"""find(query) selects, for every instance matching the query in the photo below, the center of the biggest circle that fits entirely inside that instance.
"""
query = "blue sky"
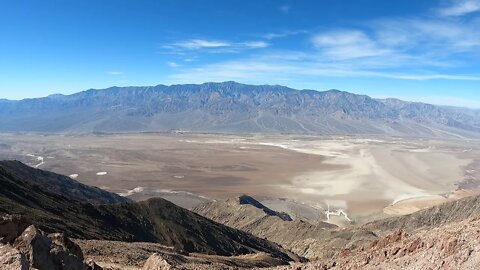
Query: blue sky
(416, 50)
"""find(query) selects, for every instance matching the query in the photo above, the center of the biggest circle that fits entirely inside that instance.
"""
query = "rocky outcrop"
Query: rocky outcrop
(29, 248)
(452, 246)
(157, 262)
(11, 226)
(12, 259)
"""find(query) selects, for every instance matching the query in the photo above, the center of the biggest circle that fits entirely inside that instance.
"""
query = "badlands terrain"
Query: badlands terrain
(341, 180)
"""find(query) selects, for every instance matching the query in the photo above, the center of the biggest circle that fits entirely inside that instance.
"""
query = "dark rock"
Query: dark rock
(54, 252)
(11, 226)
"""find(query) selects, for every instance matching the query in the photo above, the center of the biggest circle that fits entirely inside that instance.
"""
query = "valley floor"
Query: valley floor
(351, 178)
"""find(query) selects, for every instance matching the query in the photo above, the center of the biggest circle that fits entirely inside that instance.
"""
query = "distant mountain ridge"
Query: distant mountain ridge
(233, 107)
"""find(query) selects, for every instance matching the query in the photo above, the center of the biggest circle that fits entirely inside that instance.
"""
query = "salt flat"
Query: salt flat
(362, 176)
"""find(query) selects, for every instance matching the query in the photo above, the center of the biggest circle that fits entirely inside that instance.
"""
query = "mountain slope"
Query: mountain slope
(304, 238)
(450, 246)
(329, 243)
(233, 107)
(60, 184)
(155, 220)
(442, 237)
(446, 213)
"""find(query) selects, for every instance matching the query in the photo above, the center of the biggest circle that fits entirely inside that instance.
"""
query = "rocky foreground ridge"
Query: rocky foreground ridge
(454, 246)
(446, 236)
(153, 221)
(240, 233)
(24, 246)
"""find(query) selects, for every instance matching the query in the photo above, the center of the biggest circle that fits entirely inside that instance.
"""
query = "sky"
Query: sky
(415, 50)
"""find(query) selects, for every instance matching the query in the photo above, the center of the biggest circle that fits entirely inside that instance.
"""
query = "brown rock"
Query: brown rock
(157, 262)
(11, 226)
(449, 246)
(66, 244)
(36, 247)
(415, 245)
(395, 237)
(12, 259)
(43, 252)
(92, 265)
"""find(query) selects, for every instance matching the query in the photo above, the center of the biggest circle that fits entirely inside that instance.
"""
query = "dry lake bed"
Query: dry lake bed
(354, 177)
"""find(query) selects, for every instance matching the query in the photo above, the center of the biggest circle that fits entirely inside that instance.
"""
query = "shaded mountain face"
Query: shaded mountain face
(248, 200)
(233, 107)
(155, 220)
(60, 184)
(310, 240)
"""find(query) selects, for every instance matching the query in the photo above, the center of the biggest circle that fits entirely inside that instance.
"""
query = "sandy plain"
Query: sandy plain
(362, 176)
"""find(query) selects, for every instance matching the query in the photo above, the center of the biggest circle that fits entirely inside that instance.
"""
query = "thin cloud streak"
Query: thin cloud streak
(255, 44)
(215, 46)
(173, 64)
(194, 44)
(460, 8)
(115, 73)
(283, 34)
(258, 71)
(347, 44)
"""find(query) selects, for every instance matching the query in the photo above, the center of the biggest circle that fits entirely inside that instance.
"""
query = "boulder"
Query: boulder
(92, 265)
(11, 226)
(157, 262)
(54, 251)
(63, 243)
(12, 259)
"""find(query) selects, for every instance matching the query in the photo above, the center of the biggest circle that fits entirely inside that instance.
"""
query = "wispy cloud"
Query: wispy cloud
(430, 34)
(173, 64)
(115, 73)
(215, 45)
(431, 47)
(347, 44)
(194, 44)
(285, 33)
(256, 44)
(460, 8)
(263, 69)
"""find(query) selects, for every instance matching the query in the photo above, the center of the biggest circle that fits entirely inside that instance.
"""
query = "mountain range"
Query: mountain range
(232, 107)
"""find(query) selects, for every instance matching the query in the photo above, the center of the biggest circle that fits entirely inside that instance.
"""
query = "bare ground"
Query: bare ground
(365, 177)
